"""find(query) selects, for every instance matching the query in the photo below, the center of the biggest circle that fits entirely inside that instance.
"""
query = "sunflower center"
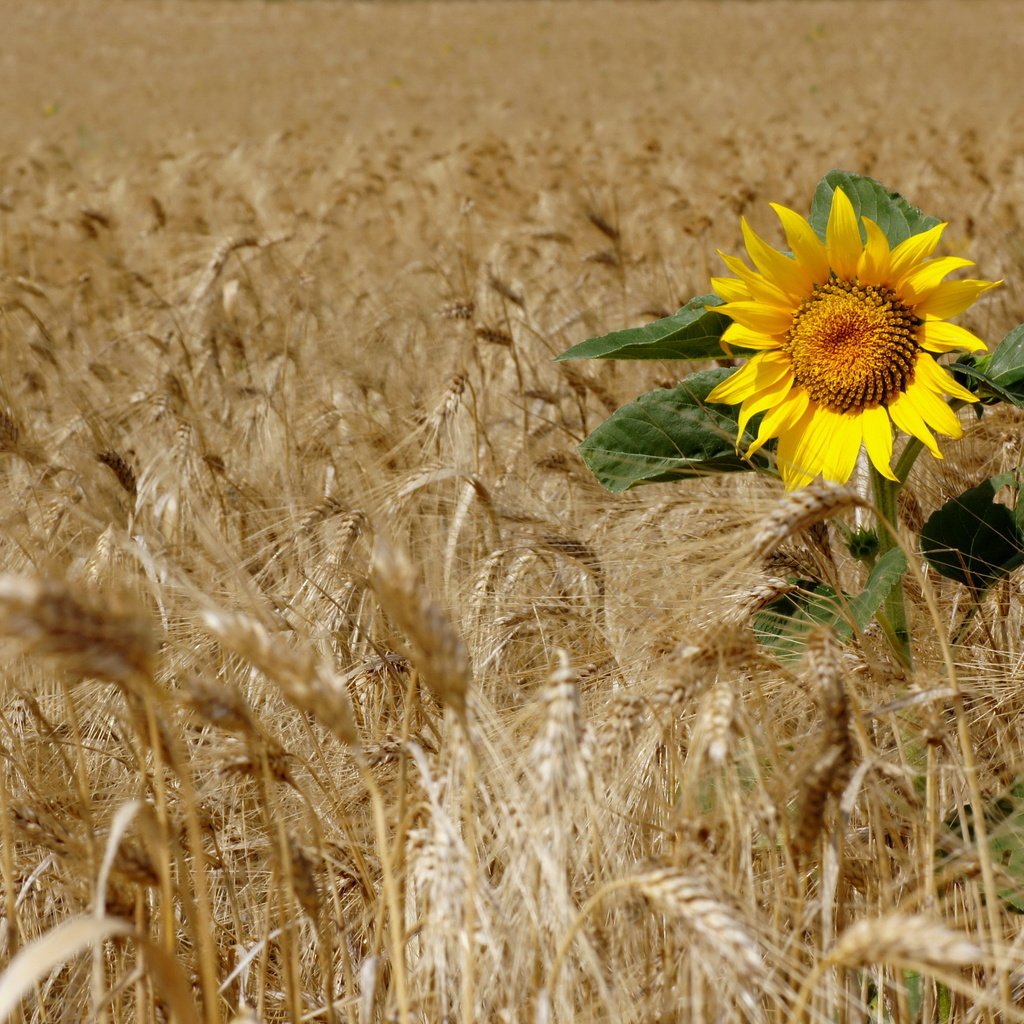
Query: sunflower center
(853, 345)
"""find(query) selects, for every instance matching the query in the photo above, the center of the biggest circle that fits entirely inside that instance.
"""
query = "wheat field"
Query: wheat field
(335, 688)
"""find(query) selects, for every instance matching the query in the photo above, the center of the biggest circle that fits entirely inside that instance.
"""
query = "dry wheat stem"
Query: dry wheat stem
(388, 858)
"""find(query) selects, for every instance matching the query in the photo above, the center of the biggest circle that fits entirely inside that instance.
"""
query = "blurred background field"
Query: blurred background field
(280, 286)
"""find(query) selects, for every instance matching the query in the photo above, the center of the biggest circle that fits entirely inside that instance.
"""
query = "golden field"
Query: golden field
(335, 688)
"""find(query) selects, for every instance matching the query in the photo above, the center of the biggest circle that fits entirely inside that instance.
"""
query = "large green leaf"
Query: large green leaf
(667, 434)
(694, 332)
(973, 539)
(999, 376)
(784, 625)
(889, 210)
(1006, 364)
(986, 387)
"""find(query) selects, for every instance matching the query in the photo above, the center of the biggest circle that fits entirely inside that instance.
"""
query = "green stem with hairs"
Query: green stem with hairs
(906, 460)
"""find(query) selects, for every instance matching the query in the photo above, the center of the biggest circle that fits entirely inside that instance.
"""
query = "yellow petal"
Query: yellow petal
(769, 398)
(937, 379)
(758, 316)
(761, 289)
(920, 282)
(952, 297)
(730, 289)
(933, 410)
(743, 337)
(877, 430)
(873, 265)
(913, 250)
(781, 418)
(806, 245)
(942, 336)
(778, 268)
(826, 445)
(908, 419)
(740, 385)
(794, 473)
(842, 237)
(843, 446)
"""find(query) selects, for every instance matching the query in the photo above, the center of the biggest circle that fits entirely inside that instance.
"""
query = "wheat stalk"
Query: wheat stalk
(801, 510)
(718, 926)
(833, 764)
(433, 645)
(909, 941)
(303, 677)
(557, 756)
(94, 637)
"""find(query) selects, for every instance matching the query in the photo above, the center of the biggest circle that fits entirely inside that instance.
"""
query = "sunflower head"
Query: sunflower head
(845, 334)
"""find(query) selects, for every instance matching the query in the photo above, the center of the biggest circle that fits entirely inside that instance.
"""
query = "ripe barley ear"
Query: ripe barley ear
(302, 676)
(97, 637)
(911, 940)
(433, 644)
(803, 509)
(833, 764)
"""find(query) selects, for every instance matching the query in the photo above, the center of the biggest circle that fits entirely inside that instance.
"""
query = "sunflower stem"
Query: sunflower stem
(893, 617)
(913, 448)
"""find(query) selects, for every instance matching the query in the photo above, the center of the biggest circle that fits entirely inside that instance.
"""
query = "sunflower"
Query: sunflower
(845, 332)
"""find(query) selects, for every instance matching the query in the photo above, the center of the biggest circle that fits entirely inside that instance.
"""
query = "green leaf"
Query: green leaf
(986, 386)
(914, 985)
(694, 332)
(889, 210)
(973, 539)
(1006, 364)
(885, 574)
(668, 434)
(784, 625)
